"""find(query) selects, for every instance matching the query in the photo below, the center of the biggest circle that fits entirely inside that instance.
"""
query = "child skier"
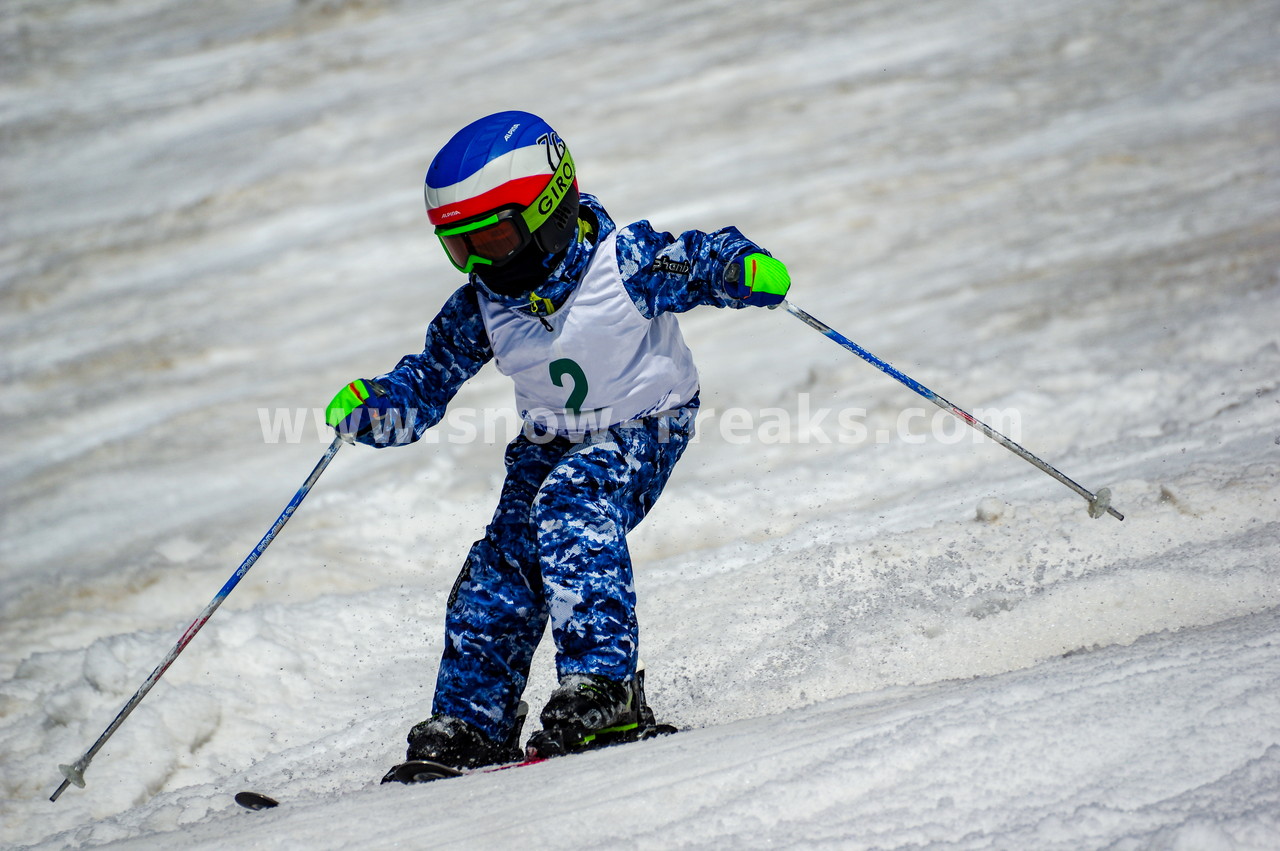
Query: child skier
(581, 315)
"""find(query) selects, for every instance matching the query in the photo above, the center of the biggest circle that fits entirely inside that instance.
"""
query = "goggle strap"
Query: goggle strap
(550, 197)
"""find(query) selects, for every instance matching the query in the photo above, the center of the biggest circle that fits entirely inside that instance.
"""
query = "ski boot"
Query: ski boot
(443, 746)
(589, 711)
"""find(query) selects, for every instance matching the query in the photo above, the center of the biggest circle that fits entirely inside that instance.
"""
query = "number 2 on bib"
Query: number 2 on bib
(562, 367)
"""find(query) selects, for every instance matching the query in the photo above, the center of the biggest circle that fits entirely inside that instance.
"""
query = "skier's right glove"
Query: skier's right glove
(757, 279)
(357, 409)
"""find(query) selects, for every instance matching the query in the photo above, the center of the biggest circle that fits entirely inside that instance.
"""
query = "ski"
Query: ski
(546, 744)
(426, 771)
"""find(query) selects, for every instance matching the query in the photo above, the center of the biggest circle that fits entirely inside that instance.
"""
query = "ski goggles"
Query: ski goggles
(496, 237)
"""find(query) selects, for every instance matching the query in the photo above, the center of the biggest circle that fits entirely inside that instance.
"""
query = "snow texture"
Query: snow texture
(875, 631)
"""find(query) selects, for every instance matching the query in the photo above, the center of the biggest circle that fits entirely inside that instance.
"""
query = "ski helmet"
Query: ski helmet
(500, 184)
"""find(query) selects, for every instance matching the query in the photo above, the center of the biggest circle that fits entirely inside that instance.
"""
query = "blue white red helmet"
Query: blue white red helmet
(509, 163)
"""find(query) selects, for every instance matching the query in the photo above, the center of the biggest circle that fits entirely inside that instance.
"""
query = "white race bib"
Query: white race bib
(601, 363)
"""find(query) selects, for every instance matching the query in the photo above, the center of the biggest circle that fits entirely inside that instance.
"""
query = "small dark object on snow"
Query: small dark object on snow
(255, 801)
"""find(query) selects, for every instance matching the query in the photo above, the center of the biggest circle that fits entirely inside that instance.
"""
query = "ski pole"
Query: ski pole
(74, 773)
(1099, 503)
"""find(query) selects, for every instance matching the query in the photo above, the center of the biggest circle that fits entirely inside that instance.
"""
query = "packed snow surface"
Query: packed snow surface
(874, 630)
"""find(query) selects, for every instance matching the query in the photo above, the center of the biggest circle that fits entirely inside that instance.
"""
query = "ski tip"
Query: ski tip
(255, 801)
(420, 771)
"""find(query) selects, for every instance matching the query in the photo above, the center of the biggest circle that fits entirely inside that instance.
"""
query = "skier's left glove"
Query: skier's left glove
(357, 409)
(757, 279)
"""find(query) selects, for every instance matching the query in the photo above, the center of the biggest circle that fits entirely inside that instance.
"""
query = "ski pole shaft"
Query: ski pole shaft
(74, 773)
(1099, 503)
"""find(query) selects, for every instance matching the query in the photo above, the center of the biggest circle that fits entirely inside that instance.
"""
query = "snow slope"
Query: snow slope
(876, 631)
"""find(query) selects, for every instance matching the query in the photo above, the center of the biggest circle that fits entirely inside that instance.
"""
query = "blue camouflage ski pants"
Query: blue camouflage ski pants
(555, 550)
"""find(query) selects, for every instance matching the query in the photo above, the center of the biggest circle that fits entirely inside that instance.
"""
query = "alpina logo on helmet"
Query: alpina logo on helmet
(511, 132)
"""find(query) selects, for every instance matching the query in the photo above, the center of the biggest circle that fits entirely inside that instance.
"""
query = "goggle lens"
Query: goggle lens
(486, 241)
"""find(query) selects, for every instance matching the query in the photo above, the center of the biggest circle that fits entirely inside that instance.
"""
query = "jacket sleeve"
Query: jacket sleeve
(670, 274)
(457, 345)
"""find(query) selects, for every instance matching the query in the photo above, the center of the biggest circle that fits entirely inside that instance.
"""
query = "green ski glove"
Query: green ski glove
(355, 409)
(757, 279)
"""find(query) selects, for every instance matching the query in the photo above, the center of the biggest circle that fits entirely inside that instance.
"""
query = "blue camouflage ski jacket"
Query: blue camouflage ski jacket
(662, 274)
